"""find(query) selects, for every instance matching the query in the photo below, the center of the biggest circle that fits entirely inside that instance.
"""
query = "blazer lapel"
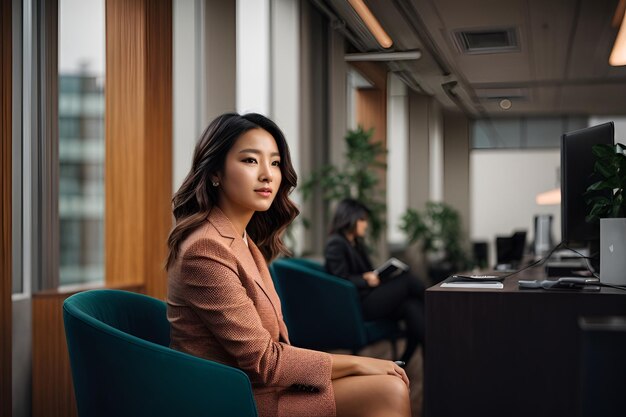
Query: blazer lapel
(252, 262)
(225, 228)
(269, 289)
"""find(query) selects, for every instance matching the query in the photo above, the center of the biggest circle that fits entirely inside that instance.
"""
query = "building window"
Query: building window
(81, 140)
(523, 132)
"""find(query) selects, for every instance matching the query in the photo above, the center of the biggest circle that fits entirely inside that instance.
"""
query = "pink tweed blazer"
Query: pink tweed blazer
(222, 306)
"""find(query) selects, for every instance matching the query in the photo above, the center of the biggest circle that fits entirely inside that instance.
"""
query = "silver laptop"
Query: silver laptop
(613, 251)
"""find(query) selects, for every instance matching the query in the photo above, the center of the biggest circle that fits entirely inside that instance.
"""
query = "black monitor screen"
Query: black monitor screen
(510, 250)
(577, 162)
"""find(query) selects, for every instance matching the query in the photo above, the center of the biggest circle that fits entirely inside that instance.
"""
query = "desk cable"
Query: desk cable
(536, 263)
(593, 272)
(586, 258)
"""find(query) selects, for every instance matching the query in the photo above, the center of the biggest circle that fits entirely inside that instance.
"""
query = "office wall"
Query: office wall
(285, 85)
(218, 54)
(337, 100)
(503, 186)
(22, 357)
(397, 157)
(186, 90)
(253, 56)
(436, 152)
(419, 150)
(456, 149)
(315, 114)
(204, 69)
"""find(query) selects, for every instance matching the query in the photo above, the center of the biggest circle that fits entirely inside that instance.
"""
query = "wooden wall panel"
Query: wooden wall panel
(6, 281)
(158, 152)
(371, 103)
(53, 392)
(138, 179)
(371, 110)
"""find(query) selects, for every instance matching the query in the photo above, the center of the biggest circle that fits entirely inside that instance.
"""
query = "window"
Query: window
(81, 141)
(523, 132)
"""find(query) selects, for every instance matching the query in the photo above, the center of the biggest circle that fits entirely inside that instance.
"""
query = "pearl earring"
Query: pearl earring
(216, 183)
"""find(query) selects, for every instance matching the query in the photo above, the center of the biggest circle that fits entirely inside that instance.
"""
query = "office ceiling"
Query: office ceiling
(558, 67)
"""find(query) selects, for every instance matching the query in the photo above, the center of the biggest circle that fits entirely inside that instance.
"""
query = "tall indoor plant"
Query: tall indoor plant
(358, 178)
(438, 229)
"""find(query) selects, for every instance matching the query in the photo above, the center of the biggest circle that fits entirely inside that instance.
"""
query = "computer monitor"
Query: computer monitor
(510, 250)
(577, 163)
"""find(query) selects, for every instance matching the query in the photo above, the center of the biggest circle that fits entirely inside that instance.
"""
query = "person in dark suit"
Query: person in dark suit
(399, 298)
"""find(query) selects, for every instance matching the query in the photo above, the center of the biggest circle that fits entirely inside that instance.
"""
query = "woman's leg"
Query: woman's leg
(371, 396)
(383, 301)
(395, 300)
(413, 314)
(415, 286)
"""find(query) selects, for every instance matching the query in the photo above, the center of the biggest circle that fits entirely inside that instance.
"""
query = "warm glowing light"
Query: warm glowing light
(372, 23)
(618, 54)
(550, 197)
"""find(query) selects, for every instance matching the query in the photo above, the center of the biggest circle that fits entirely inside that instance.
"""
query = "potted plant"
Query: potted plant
(357, 178)
(438, 228)
(610, 166)
(606, 200)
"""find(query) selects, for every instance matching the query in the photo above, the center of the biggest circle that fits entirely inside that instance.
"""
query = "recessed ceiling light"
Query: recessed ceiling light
(505, 104)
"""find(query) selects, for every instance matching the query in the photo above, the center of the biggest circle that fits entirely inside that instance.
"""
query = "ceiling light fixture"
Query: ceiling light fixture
(372, 23)
(618, 54)
(505, 104)
(549, 198)
(384, 56)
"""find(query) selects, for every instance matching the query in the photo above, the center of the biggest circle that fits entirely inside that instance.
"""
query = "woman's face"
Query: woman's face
(361, 227)
(251, 175)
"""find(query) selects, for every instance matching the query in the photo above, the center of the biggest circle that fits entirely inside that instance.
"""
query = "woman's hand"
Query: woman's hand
(371, 366)
(371, 278)
(347, 365)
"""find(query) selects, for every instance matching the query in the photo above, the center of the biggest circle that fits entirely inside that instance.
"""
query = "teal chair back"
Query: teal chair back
(122, 365)
(323, 311)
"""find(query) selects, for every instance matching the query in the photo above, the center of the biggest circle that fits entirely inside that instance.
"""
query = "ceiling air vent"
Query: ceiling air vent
(487, 41)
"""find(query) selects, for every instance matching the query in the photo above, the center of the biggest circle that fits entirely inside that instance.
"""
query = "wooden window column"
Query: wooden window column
(138, 137)
(6, 281)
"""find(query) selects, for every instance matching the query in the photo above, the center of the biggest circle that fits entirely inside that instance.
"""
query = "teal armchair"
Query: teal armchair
(122, 365)
(322, 311)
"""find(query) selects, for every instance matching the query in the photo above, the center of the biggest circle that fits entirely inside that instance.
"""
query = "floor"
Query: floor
(414, 370)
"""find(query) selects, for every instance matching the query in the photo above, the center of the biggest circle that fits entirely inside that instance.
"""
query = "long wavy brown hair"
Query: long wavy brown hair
(196, 197)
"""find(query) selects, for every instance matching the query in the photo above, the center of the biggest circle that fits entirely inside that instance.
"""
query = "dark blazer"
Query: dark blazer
(348, 261)
(222, 306)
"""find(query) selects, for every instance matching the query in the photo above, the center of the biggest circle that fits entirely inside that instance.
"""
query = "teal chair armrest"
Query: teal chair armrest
(321, 311)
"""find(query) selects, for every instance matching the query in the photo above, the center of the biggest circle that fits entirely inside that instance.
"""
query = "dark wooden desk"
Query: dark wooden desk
(507, 352)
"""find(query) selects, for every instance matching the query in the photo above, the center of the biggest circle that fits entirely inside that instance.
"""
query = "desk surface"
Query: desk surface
(508, 352)
(511, 284)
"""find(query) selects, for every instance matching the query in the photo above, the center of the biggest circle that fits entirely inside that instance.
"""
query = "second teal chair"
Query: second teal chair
(122, 365)
(323, 311)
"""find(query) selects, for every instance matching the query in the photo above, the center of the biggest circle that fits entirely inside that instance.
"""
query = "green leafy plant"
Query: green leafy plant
(438, 228)
(357, 178)
(610, 166)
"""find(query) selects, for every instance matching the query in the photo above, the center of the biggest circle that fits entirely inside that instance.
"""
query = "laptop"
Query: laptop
(613, 251)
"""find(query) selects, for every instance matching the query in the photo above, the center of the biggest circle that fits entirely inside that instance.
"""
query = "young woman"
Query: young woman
(398, 298)
(230, 213)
